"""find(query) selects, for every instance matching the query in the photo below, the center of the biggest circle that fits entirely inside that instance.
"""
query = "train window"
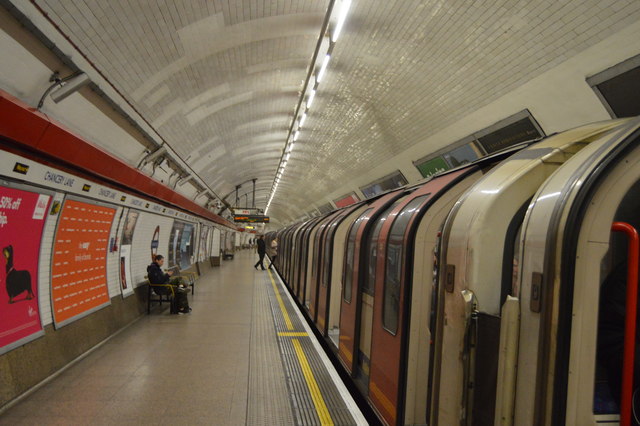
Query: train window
(350, 254)
(372, 244)
(317, 250)
(328, 246)
(617, 88)
(511, 254)
(393, 265)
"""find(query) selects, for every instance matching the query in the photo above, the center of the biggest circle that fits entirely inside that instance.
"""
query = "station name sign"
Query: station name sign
(251, 218)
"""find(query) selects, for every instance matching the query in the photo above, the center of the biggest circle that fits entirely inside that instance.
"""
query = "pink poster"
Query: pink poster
(22, 217)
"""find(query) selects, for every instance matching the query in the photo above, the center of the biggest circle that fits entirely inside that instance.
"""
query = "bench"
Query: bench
(190, 277)
(159, 297)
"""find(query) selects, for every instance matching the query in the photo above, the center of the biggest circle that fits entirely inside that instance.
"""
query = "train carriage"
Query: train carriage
(429, 293)
(479, 241)
(568, 251)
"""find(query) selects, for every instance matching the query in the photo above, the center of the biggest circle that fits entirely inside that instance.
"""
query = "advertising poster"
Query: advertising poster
(432, 167)
(79, 265)
(174, 243)
(181, 245)
(126, 283)
(22, 217)
(203, 252)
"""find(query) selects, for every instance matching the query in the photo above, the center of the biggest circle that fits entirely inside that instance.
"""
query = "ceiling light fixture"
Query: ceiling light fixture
(310, 100)
(296, 135)
(344, 9)
(302, 120)
(323, 68)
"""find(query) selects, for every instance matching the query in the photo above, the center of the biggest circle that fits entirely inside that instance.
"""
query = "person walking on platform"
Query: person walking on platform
(156, 276)
(273, 253)
(262, 250)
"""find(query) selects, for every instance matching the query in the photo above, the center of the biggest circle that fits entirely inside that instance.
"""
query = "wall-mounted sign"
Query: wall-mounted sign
(21, 168)
(251, 218)
(432, 166)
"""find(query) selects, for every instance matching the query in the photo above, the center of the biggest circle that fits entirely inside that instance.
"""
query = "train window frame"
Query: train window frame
(328, 251)
(609, 74)
(347, 279)
(375, 234)
(410, 209)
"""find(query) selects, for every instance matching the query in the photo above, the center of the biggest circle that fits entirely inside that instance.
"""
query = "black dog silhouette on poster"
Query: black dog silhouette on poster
(17, 281)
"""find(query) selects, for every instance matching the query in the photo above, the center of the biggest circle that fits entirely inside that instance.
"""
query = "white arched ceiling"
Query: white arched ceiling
(220, 80)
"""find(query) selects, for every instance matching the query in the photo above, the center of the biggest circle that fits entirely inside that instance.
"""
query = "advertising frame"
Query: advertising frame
(28, 187)
(70, 197)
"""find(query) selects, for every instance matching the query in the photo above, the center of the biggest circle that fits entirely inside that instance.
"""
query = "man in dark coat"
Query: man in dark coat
(262, 250)
(157, 276)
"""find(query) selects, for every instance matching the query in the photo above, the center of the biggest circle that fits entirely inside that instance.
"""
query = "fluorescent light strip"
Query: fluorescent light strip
(296, 135)
(344, 9)
(323, 68)
(302, 120)
(310, 100)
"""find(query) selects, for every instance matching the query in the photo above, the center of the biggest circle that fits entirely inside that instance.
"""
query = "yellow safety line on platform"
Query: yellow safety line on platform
(287, 320)
(314, 390)
(292, 334)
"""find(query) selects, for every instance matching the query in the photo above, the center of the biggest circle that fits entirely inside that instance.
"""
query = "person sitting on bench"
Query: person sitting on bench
(157, 276)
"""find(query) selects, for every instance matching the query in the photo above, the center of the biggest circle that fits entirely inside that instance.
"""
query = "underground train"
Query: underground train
(473, 297)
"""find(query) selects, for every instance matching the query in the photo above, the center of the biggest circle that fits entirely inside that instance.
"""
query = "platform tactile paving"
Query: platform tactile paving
(304, 409)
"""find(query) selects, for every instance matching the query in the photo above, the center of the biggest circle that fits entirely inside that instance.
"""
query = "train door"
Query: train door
(293, 258)
(283, 254)
(324, 273)
(477, 283)
(366, 284)
(311, 263)
(352, 296)
(290, 249)
(316, 267)
(337, 264)
(572, 287)
(304, 260)
(392, 292)
(423, 302)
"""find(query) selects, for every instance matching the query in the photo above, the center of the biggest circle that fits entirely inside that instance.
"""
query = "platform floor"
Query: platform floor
(243, 356)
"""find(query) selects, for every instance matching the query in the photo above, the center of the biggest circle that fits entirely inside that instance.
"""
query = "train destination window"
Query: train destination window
(394, 180)
(393, 274)
(520, 127)
(350, 253)
(618, 88)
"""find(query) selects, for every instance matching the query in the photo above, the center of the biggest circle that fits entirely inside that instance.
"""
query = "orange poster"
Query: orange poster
(79, 267)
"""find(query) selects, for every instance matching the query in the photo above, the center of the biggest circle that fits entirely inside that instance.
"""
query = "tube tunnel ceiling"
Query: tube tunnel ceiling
(220, 80)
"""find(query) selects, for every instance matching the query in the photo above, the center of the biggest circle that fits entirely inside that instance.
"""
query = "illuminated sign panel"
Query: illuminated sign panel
(251, 218)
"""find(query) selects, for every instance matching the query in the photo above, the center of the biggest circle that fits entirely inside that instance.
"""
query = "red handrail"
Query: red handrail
(633, 252)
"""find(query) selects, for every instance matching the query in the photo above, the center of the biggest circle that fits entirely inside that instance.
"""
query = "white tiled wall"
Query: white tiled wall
(141, 246)
(215, 243)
